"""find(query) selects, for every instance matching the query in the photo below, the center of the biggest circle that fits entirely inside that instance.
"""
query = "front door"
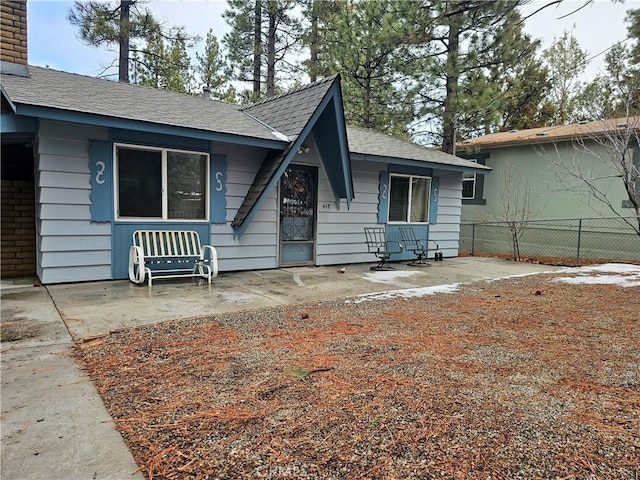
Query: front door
(298, 201)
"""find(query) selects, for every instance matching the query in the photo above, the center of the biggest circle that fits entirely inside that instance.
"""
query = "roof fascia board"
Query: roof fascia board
(344, 143)
(100, 121)
(542, 140)
(7, 98)
(419, 163)
(12, 123)
(293, 149)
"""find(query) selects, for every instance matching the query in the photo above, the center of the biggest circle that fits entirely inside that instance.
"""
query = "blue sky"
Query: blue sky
(52, 40)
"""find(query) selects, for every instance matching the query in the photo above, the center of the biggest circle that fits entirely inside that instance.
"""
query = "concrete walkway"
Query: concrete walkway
(54, 424)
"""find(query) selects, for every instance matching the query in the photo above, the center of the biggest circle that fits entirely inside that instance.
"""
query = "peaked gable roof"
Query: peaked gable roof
(296, 114)
(533, 136)
(62, 95)
(290, 112)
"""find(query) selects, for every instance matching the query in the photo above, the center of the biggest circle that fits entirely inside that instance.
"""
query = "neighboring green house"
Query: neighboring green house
(533, 171)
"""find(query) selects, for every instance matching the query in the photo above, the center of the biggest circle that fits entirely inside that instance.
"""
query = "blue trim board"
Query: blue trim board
(101, 168)
(125, 124)
(149, 139)
(418, 163)
(218, 189)
(12, 123)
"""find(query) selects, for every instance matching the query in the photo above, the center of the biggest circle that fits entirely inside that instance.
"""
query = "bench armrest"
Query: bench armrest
(137, 268)
(210, 254)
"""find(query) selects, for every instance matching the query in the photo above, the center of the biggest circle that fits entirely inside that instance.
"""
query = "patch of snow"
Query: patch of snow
(280, 136)
(628, 275)
(613, 268)
(387, 276)
(406, 293)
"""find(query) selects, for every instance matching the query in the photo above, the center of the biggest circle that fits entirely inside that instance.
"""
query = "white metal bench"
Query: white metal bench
(170, 254)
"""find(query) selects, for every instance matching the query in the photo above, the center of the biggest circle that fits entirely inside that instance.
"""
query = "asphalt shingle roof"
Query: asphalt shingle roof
(370, 143)
(290, 112)
(78, 93)
(549, 134)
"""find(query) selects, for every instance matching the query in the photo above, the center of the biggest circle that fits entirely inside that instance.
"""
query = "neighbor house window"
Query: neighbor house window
(162, 184)
(409, 199)
(469, 183)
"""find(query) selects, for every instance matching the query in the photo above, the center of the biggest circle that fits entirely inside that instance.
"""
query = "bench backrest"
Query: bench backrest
(376, 239)
(167, 243)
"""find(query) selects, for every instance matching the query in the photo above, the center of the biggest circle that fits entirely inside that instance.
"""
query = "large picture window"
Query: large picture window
(409, 199)
(161, 184)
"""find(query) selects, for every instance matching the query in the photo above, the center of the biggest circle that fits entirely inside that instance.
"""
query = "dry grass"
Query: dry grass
(521, 378)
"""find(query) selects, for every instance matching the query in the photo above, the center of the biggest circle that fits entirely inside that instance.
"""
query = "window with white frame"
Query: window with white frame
(409, 198)
(469, 183)
(161, 183)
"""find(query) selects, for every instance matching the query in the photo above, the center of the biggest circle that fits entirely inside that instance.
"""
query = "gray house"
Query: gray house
(282, 182)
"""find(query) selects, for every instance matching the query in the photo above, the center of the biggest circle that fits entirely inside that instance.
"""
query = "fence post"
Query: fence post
(473, 239)
(579, 240)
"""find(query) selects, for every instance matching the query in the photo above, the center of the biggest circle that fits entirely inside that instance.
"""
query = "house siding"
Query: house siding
(446, 230)
(70, 247)
(73, 248)
(538, 167)
(340, 237)
(257, 247)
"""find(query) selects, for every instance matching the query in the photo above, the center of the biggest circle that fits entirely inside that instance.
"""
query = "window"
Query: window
(469, 183)
(161, 184)
(409, 199)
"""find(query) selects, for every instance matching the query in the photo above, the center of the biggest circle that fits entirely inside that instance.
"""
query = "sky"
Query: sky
(52, 41)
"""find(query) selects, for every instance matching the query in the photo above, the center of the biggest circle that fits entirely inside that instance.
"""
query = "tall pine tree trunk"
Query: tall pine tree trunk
(313, 42)
(123, 40)
(257, 49)
(451, 87)
(271, 49)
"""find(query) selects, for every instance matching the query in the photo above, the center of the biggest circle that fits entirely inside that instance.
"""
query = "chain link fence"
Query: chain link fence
(569, 241)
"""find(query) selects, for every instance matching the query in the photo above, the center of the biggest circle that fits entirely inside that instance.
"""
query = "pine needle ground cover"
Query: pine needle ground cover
(527, 377)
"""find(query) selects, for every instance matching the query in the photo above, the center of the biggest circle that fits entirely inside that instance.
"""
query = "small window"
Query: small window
(469, 183)
(161, 184)
(409, 199)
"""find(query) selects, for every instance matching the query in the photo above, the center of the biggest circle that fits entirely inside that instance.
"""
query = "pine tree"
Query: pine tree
(213, 71)
(366, 43)
(264, 35)
(165, 64)
(566, 62)
(124, 24)
(470, 48)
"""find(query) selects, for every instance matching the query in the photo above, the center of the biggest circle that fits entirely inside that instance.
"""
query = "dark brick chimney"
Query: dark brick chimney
(13, 36)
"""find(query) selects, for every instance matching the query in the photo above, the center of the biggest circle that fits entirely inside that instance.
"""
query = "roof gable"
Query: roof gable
(325, 117)
(290, 112)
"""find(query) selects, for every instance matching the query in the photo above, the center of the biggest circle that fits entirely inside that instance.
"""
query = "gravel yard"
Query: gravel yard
(522, 378)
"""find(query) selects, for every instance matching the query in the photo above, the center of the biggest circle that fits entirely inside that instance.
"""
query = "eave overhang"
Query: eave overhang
(49, 113)
(480, 169)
